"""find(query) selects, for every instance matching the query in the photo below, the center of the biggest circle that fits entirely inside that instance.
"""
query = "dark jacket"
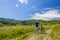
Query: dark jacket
(36, 23)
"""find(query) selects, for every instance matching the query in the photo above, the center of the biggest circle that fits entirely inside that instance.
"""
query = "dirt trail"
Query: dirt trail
(44, 36)
(31, 37)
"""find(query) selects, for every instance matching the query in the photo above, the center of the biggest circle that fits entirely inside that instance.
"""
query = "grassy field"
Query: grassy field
(21, 32)
(11, 32)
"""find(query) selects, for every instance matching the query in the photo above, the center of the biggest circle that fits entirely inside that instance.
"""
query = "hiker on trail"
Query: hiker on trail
(36, 23)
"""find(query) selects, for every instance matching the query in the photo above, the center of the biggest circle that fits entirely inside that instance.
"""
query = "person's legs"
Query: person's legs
(36, 29)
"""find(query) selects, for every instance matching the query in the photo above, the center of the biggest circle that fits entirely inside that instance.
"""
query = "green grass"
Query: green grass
(20, 32)
(55, 32)
(15, 31)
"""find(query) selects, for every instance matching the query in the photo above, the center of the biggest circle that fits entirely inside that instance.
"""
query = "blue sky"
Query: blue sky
(23, 9)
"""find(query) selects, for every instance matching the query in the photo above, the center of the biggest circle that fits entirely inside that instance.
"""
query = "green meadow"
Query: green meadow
(20, 31)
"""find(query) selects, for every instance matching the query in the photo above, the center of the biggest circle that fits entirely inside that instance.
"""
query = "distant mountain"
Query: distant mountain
(7, 21)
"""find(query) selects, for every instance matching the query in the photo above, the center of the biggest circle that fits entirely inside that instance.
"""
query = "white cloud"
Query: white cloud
(17, 5)
(23, 1)
(48, 15)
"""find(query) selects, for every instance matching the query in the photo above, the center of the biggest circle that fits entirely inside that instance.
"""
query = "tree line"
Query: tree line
(12, 22)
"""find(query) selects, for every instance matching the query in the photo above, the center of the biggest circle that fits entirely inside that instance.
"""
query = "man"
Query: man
(36, 23)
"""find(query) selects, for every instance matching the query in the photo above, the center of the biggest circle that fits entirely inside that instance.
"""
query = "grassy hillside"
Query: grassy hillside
(16, 29)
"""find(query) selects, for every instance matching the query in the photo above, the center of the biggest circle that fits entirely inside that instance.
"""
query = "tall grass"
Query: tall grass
(55, 32)
(14, 31)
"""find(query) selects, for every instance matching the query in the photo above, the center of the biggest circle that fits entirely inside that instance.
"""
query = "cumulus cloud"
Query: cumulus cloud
(23, 1)
(48, 15)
